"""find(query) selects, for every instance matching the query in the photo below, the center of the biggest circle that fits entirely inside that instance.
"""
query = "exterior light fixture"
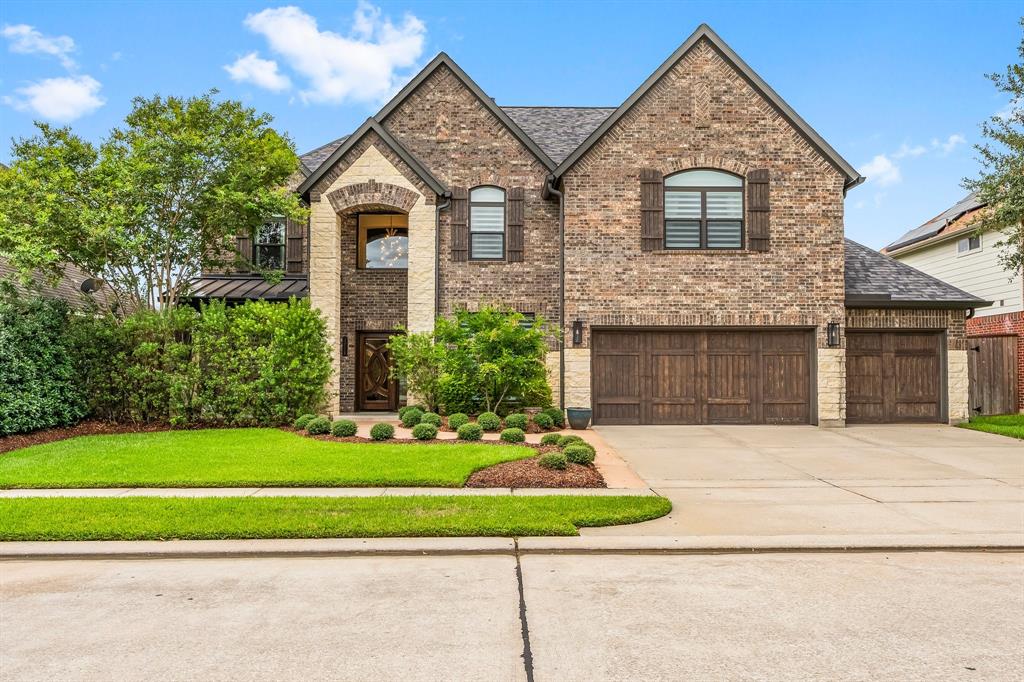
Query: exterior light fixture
(577, 332)
(832, 334)
(344, 346)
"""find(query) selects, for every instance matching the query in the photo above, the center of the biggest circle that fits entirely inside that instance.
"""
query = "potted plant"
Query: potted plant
(579, 417)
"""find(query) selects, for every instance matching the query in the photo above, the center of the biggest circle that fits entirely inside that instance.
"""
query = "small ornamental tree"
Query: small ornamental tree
(418, 359)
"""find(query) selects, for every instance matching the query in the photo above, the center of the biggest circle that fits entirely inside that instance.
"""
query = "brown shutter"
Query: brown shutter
(652, 210)
(243, 258)
(460, 224)
(758, 210)
(516, 219)
(293, 246)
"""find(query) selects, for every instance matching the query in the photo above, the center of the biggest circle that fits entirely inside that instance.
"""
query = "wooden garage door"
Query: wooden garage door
(701, 377)
(893, 377)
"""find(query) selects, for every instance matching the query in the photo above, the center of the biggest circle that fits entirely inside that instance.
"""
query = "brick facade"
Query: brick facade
(1008, 324)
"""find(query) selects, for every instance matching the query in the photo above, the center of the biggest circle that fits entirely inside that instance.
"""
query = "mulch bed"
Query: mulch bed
(86, 428)
(528, 473)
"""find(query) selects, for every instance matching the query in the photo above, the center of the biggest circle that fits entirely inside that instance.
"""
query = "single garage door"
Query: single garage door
(893, 377)
(701, 377)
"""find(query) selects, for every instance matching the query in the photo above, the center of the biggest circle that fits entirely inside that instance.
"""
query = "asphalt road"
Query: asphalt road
(872, 616)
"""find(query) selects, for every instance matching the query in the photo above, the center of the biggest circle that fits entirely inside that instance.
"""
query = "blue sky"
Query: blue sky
(897, 88)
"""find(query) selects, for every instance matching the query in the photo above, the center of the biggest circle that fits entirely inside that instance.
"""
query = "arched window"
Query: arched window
(703, 210)
(487, 223)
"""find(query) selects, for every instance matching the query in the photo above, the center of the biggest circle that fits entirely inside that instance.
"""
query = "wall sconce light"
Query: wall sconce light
(577, 332)
(344, 346)
(832, 334)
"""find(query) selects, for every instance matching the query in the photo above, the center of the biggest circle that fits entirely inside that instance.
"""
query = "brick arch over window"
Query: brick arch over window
(372, 193)
(709, 162)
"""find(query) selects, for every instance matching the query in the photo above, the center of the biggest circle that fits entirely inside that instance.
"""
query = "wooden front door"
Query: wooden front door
(375, 389)
(893, 377)
(701, 377)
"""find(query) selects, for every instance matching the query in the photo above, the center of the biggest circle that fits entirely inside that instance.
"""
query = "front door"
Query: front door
(375, 389)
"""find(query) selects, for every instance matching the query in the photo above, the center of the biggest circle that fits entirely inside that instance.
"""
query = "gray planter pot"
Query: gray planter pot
(579, 417)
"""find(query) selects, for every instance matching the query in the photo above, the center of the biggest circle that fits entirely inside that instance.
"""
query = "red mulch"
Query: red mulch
(528, 473)
(414, 441)
(86, 428)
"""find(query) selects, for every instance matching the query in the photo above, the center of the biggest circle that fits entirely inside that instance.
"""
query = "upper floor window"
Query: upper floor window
(968, 244)
(703, 210)
(270, 244)
(487, 223)
(383, 241)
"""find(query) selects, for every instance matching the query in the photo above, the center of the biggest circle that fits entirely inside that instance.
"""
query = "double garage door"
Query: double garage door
(759, 377)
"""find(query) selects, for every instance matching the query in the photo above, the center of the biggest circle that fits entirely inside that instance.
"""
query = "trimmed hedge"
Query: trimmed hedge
(456, 420)
(513, 435)
(517, 421)
(302, 421)
(543, 420)
(343, 428)
(424, 431)
(550, 438)
(557, 416)
(554, 460)
(470, 432)
(431, 418)
(568, 440)
(579, 454)
(382, 431)
(318, 426)
(489, 421)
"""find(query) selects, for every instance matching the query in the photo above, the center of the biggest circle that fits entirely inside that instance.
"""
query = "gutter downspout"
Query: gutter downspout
(447, 196)
(549, 190)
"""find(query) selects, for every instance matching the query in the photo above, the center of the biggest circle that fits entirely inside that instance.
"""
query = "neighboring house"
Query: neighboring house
(950, 247)
(688, 243)
(75, 286)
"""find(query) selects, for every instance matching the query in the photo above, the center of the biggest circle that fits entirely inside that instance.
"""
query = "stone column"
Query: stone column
(325, 286)
(422, 265)
(577, 377)
(957, 386)
(831, 387)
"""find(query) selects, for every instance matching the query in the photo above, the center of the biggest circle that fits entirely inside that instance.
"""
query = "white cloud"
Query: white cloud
(906, 150)
(364, 66)
(882, 170)
(261, 72)
(59, 99)
(1014, 106)
(951, 143)
(25, 39)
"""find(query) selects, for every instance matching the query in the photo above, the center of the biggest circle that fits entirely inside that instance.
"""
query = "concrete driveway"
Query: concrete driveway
(802, 480)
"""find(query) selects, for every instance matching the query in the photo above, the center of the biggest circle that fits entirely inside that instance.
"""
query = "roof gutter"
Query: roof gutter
(548, 192)
(859, 180)
(886, 301)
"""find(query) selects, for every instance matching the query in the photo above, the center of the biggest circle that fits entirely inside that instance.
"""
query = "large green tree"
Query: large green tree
(145, 210)
(1001, 183)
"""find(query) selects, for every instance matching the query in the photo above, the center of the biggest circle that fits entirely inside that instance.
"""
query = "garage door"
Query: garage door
(701, 377)
(893, 377)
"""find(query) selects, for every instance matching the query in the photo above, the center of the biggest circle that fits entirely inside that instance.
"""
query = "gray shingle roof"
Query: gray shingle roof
(558, 130)
(875, 280)
(312, 159)
(936, 224)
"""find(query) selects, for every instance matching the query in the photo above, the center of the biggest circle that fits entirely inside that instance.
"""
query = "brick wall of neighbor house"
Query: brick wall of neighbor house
(701, 114)
(463, 144)
(1008, 324)
(954, 324)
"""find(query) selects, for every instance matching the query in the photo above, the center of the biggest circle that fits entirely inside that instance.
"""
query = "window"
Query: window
(968, 244)
(703, 210)
(383, 241)
(487, 223)
(270, 245)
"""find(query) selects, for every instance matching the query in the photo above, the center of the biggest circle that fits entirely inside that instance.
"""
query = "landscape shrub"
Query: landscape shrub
(517, 420)
(578, 453)
(40, 386)
(302, 421)
(411, 417)
(557, 416)
(470, 432)
(431, 418)
(568, 440)
(489, 421)
(405, 408)
(456, 420)
(382, 431)
(553, 460)
(543, 420)
(550, 438)
(513, 435)
(424, 431)
(343, 428)
(318, 426)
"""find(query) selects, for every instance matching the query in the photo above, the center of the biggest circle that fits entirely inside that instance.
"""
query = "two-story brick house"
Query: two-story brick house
(688, 242)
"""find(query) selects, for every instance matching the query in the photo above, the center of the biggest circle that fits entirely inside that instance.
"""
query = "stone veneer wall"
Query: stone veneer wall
(831, 387)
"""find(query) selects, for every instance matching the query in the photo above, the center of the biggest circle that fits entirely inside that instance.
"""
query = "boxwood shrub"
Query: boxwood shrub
(579, 453)
(517, 421)
(568, 440)
(513, 435)
(470, 432)
(303, 420)
(550, 438)
(318, 426)
(431, 418)
(382, 431)
(411, 417)
(553, 460)
(405, 408)
(489, 421)
(543, 420)
(456, 420)
(424, 431)
(343, 428)
(557, 416)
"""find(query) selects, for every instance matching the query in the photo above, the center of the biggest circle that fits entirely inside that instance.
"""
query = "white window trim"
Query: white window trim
(969, 251)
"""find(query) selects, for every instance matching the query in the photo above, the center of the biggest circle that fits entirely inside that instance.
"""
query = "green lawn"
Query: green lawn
(242, 457)
(1011, 425)
(146, 518)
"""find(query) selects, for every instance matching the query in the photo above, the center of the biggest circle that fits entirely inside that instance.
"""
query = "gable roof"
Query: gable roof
(312, 159)
(558, 130)
(443, 59)
(941, 225)
(874, 280)
(704, 32)
(371, 124)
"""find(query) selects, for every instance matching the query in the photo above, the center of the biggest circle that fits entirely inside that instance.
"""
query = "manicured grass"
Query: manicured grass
(1011, 425)
(145, 518)
(242, 457)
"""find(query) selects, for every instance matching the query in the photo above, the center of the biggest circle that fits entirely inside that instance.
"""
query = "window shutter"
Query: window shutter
(758, 210)
(460, 224)
(293, 248)
(516, 218)
(652, 210)
(243, 246)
